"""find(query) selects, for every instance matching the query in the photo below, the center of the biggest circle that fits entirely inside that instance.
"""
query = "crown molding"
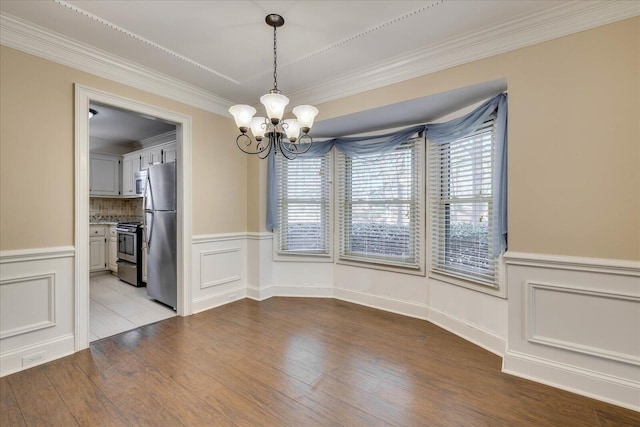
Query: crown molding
(560, 21)
(18, 34)
(163, 138)
(563, 20)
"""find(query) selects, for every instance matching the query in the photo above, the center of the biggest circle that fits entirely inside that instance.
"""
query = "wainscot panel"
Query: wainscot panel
(36, 307)
(574, 323)
(219, 270)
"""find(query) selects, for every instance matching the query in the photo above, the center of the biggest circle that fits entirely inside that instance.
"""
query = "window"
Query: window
(460, 198)
(380, 206)
(304, 224)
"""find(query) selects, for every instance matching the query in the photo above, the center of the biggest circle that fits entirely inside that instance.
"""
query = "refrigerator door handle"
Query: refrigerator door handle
(148, 229)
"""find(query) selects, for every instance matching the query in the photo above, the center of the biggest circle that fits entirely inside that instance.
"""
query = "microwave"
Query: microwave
(141, 182)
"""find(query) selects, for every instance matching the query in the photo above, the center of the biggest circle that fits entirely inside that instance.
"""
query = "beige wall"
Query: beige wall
(37, 155)
(574, 138)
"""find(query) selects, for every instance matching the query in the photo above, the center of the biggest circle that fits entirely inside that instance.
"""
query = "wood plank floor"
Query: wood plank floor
(290, 362)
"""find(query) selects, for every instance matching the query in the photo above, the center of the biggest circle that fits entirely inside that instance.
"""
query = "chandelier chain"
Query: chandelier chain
(275, 60)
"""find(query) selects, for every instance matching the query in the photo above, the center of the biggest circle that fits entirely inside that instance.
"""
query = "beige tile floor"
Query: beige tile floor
(116, 307)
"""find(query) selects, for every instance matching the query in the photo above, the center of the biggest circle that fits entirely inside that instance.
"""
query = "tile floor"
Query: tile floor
(116, 307)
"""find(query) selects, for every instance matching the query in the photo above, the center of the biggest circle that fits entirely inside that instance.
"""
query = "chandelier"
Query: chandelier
(272, 132)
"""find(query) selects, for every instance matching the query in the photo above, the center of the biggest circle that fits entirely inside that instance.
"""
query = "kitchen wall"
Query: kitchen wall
(115, 210)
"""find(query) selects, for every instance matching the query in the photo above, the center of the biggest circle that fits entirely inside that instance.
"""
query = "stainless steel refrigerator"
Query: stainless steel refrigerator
(160, 233)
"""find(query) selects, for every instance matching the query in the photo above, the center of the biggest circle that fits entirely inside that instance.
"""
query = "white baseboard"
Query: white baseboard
(260, 294)
(577, 380)
(290, 291)
(469, 332)
(405, 308)
(11, 361)
(212, 301)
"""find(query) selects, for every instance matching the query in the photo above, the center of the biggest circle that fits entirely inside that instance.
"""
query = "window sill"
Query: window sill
(500, 291)
(298, 257)
(382, 267)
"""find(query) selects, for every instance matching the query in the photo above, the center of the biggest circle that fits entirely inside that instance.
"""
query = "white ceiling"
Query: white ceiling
(212, 54)
(325, 49)
(124, 127)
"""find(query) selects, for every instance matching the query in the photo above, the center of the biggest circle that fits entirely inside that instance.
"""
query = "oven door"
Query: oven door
(127, 246)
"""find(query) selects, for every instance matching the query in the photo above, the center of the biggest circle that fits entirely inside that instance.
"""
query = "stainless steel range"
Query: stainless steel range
(130, 252)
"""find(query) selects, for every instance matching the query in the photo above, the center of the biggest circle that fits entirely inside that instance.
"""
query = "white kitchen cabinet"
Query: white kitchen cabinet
(97, 248)
(104, 173)
(155, 154)
(169, 153)
(112, 244)
(141, 159)
(130, 165)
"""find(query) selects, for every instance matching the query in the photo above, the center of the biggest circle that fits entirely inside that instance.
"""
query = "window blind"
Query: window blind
(460, 198)
(303, 205)
(379, 206)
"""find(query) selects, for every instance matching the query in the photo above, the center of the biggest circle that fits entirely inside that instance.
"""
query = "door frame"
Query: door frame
(83, 97)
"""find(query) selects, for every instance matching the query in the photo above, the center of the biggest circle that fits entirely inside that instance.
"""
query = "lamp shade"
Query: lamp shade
(274, 103)
(305, 115)
(292, 129)
(258, 127)
(243, 115)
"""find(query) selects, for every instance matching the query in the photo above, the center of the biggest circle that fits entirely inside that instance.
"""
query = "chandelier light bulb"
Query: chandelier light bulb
(242, 115)
(292, 129)
(258, 127)
(305, 115)
(274, 103)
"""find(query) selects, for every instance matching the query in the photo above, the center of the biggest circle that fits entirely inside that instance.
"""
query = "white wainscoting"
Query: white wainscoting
(574, 323)
(219, 270)
(36, 307)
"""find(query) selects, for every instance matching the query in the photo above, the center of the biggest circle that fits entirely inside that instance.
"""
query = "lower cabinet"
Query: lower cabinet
(97, 248)
(103, 248)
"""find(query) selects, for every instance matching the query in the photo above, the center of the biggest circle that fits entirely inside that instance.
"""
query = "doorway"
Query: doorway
(84, 98)
(123, 146)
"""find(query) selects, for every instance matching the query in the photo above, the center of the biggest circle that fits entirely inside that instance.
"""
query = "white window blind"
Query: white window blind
(304, 205)
(380, 207)
(460, 190)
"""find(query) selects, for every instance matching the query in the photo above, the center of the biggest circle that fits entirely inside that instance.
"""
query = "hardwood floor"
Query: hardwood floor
(290, 362)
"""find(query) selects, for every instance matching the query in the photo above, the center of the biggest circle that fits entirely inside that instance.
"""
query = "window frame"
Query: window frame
(376, 263)
(300, 256)
(496, 288)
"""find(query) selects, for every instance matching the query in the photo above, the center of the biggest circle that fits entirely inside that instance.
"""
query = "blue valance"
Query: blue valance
(439, 133)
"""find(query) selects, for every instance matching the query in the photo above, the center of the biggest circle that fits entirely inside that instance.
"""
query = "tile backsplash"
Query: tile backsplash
(115, 210)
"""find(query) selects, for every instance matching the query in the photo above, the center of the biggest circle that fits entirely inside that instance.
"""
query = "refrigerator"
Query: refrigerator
(160, 233)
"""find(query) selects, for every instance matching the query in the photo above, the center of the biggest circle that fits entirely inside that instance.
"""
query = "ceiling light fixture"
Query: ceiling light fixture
(281, 135)
(92, 112)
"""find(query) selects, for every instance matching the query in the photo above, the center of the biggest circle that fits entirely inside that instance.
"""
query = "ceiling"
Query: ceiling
(326, 49)
(124, 127)
(225, 48)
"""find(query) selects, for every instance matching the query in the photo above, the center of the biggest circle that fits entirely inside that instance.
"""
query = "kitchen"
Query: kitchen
(132, 236)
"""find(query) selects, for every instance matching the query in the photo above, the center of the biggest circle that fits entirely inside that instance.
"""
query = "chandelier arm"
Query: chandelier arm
(266, 151)
(247, 144)
(288, 154)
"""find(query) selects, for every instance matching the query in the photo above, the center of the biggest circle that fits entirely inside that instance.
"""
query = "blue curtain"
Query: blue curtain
(442, 133)
(439, 133)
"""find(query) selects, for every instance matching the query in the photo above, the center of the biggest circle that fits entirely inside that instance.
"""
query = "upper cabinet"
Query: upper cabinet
(104, 172)
(130, 165)
(140, 160)
(169, 153)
